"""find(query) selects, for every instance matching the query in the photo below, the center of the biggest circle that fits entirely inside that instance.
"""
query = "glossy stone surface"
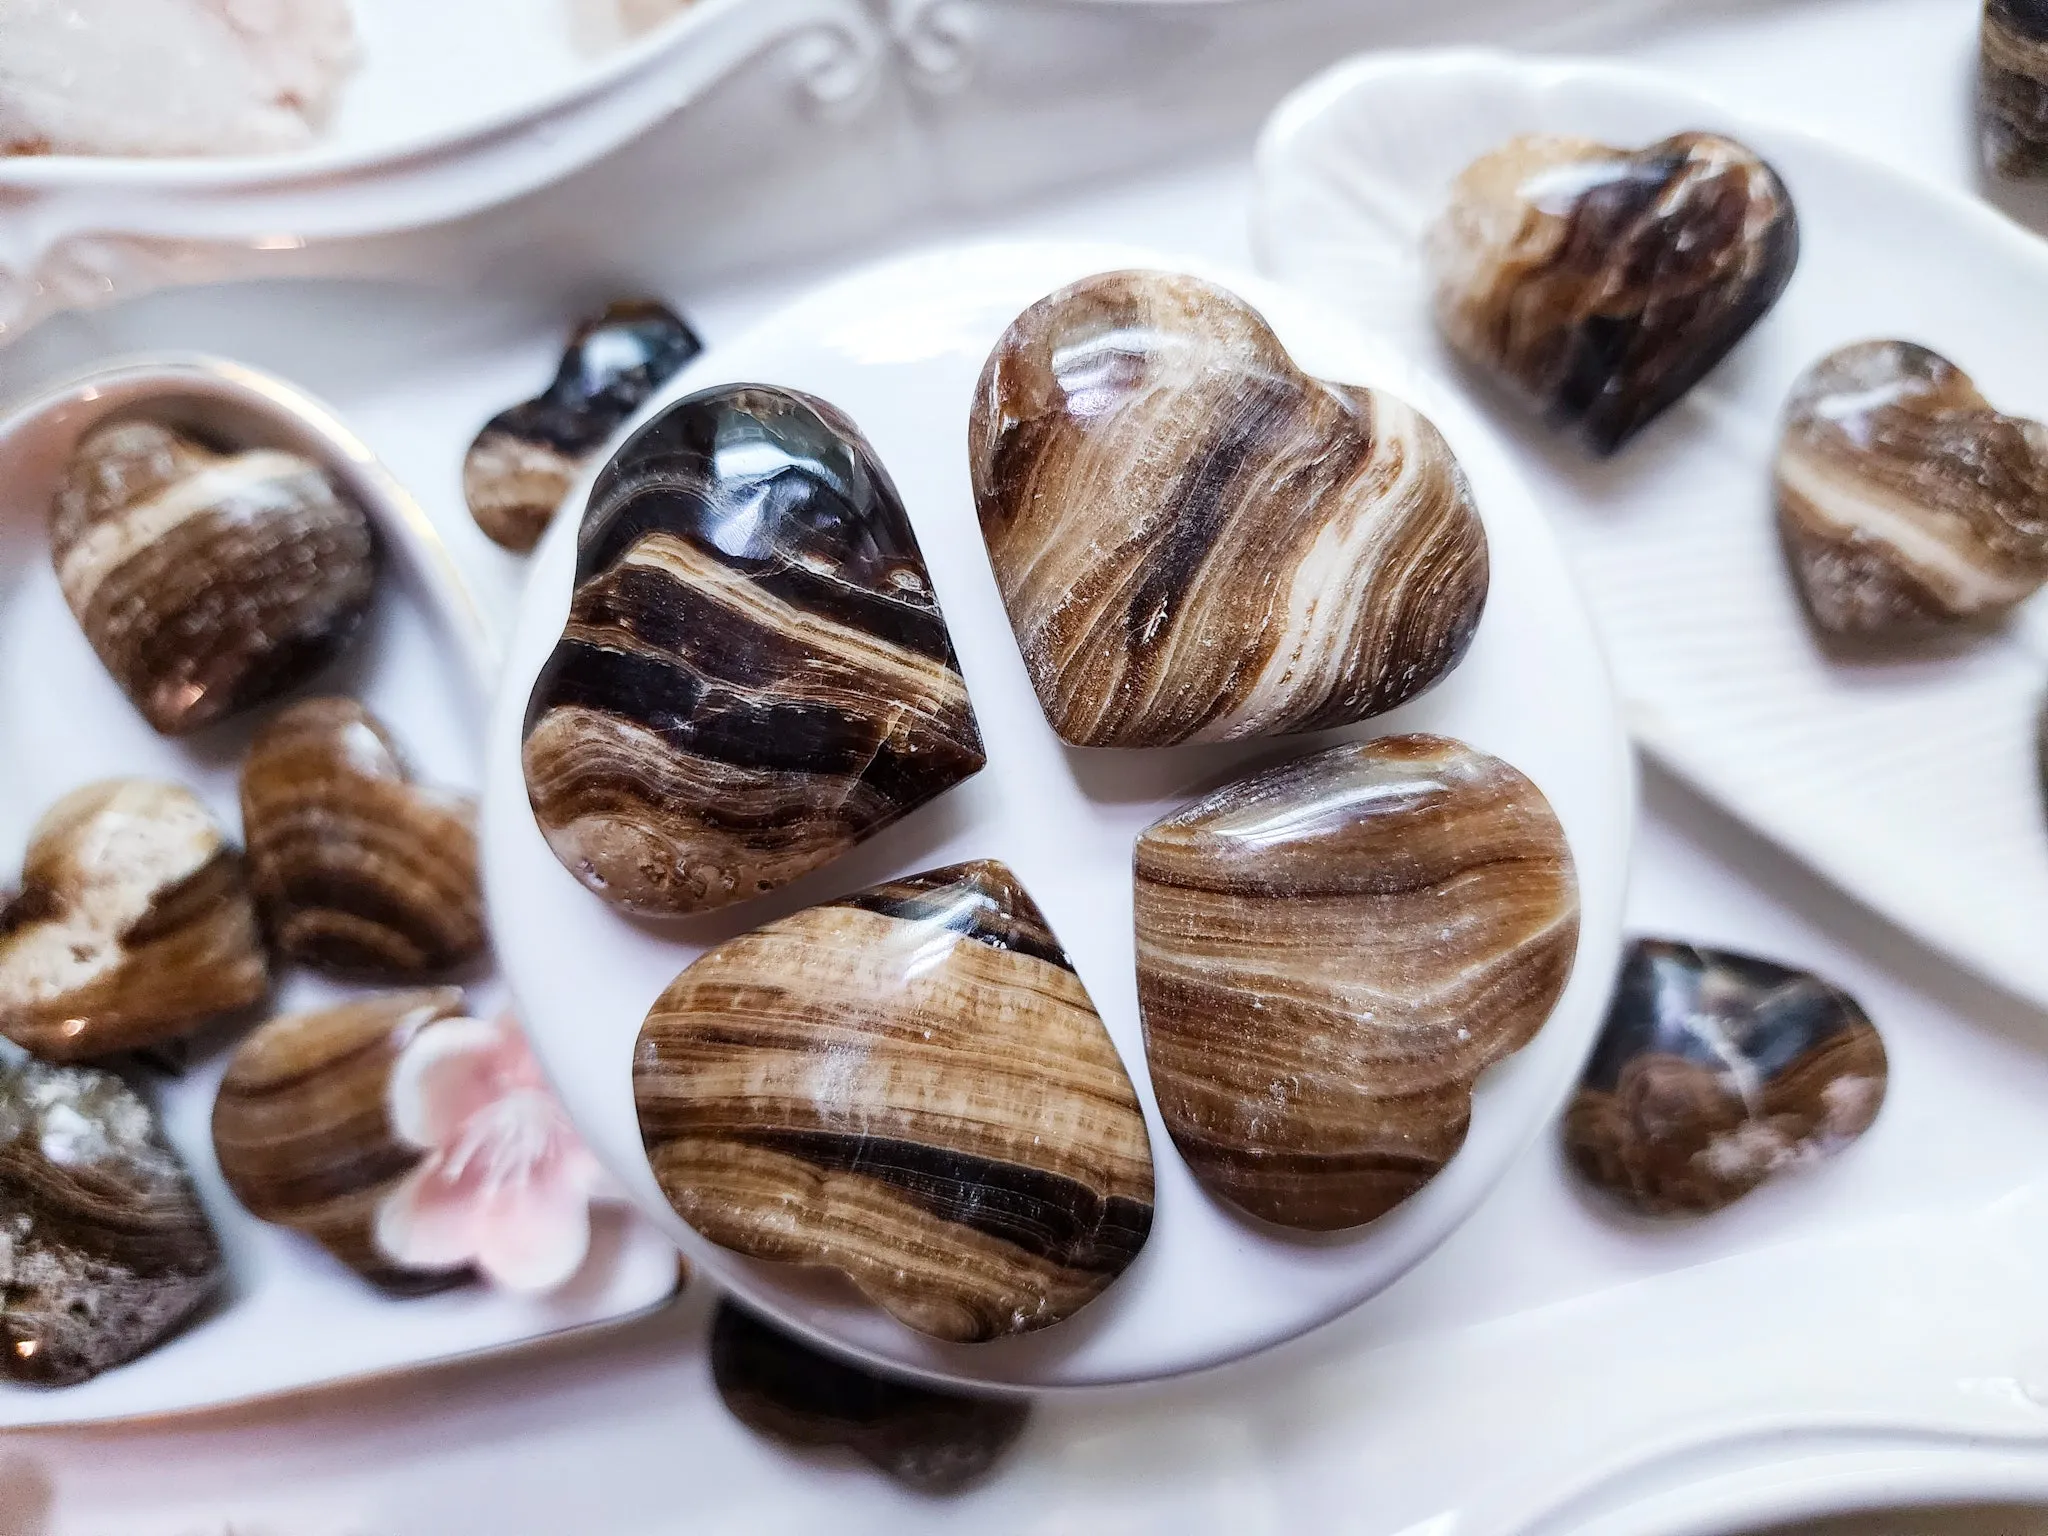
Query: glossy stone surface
(2012, 88)
(1905, 500)
(755, 675)
(1601, 284)
(207, 581)
(303, 1131)
(523, 463)
(1715, 1072)
(104, 1248)
(133, 924)
(1198, 542)
(1330, 953)
(357, 870)
(910, 1086)
(934, 1442)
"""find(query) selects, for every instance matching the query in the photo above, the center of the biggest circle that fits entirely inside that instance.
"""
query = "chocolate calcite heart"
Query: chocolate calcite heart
(1601, 284)
(302, 1126)
(755, 675)
(912, 1087)
(1195, 540)
(522, 464)
(207, 581)
(1904, 498)
(2012, 87)
(1716, 1072)
(932, 1441)
(105, 1250)
(133, 926)
(358, 871)
(1330, 953)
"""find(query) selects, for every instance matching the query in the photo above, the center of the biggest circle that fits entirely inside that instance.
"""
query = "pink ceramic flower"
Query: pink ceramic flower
(506, 1183)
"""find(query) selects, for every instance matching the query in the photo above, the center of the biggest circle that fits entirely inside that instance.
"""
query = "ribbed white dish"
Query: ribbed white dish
(1912, 784)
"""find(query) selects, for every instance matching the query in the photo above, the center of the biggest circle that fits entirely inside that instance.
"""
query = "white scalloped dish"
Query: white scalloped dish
(898, 348)
(291, 1317)
(1911, 783)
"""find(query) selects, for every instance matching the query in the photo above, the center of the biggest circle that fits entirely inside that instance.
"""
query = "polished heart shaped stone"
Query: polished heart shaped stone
(105, 1250)
(755, 675)
(909, 1086)
(1905, 500)
(358, 870)
(133, 925)
(1330, 953)
(1601, 284)
(1198, 542)
(522, 464)
(1715, 1072)
(928, 1440)
(303, 1131)
(207, 581)
(2012, 87)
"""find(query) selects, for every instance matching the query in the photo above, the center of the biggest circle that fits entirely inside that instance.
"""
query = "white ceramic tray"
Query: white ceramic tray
(1913, 783)
(292, 1317)
(899, 348)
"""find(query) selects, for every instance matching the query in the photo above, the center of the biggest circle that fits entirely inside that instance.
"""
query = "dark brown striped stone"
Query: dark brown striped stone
(1198, 542)
(303, 1131)
(1601, 284)
(523, 462)
(207, 581)
(755, 675)
(358, 871)
(1716, 1072)
(2012, 88)
(105, 1250)
(932, 1441)
(1330, 953)
(910, 1086)
(1905, 500)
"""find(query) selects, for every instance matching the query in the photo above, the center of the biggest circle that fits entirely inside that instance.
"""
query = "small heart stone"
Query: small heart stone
(1601, 284)
(1716, 1072)
(1905, 499)
(358, 871)
(1194, 539)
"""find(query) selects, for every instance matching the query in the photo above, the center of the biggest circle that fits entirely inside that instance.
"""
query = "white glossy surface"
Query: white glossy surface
(1914, 783)
(292, 1317)
(899, 348)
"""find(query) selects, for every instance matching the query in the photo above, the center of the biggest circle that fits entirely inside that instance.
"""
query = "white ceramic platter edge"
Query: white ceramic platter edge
(1913, 785)
(292, 1317)
(899, 347)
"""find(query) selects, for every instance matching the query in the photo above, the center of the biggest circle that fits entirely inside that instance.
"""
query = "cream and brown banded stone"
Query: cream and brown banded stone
(1194, 539)
(133, 924)
(1330, 952)
(910, 1086)
(207, 581)
(1600, 284)
(1905, 499)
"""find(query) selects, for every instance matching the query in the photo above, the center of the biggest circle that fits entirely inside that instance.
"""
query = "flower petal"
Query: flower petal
(537, 1239)
(449, 1071)
(429, 1221)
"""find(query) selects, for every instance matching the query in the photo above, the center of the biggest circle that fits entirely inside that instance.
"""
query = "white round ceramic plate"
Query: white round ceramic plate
(1913, 784)
(899, 349)
(292, 1317)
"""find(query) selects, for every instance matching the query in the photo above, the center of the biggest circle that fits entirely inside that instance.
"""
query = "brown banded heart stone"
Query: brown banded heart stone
(909, 1086)
(1194, 539)
(1905, 500)
(1601, 284)
(1330, 953)
(358, 870)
